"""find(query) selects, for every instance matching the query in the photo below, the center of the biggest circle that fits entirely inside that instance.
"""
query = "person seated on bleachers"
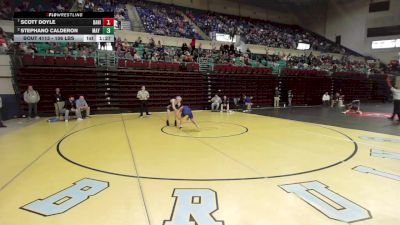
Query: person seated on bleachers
(137, 42)
(215, 102)
(187, 57)
(335, 100)
(85, 52)
(82, 106)
(225, 103)
(70, 107)
(137, 57)
(159, 46)
(184, 47)
(128, 55)
(120, 53)
(125, 45)
(326, 98)
(3, 47)
(98, 8)
(6, 11)
(120, 17)
(152, 43)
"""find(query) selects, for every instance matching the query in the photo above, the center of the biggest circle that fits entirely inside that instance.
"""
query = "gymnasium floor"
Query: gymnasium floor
(237, 169)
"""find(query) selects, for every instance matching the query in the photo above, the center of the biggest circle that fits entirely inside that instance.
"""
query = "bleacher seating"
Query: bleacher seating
(158, 65)
(301, 72)
(165, 20)
(77, 75)
(260, 87)
(162, 85)
(359, 86)
(307, 90)
(120, 86)
(262, 32)
(242, 69)
(38, 60)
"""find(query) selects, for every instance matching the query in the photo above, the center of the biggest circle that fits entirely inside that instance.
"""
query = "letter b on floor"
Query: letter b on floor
(67, 198)
(194, 207)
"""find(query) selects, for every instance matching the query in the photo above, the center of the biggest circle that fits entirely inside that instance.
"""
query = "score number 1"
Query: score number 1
(108, 22)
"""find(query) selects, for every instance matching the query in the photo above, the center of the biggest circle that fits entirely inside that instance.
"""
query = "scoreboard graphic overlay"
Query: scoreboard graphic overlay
(64, 27)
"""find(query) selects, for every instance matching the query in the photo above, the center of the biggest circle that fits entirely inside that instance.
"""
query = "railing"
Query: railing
(203, 64)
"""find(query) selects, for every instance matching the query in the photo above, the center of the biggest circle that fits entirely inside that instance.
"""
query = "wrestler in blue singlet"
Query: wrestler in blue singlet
(187, 111)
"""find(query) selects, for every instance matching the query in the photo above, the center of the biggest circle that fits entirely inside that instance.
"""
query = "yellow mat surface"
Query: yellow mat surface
(237, 169)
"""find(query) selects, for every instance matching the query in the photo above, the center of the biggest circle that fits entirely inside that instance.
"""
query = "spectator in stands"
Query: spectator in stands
(184, 47)
(225, 103)
(32, 97)
(164, 20)
(119, 18)
(290, 98)
(3, 44)
(59, 103)
(1, 113)
(277, 97)
(82, 106)
(396, 98)
(215, 102)
(326, 98)
(89, 6)
(5, 10)
(193, 45)
(69, 107)
(143, 95)
(137, 42)
(159, 46)
(125, 45)
(137, 57)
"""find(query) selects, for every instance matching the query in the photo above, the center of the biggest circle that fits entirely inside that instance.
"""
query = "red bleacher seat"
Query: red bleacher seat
(176, 66)
(218, 68)
(239, 69)
(162, 66)
(122, 63)
(27, 60)
(60, 61)
(156, 65)
(140, 65)
(168, 66)
(50, 60)
(196, 67)
(80, 61)
(90, 62)
(145, 65)
(70, 61)
(127, 63)
(38, 60)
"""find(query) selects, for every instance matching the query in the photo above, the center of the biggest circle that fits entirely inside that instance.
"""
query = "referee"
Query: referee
(143, 96)
(396, 98)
